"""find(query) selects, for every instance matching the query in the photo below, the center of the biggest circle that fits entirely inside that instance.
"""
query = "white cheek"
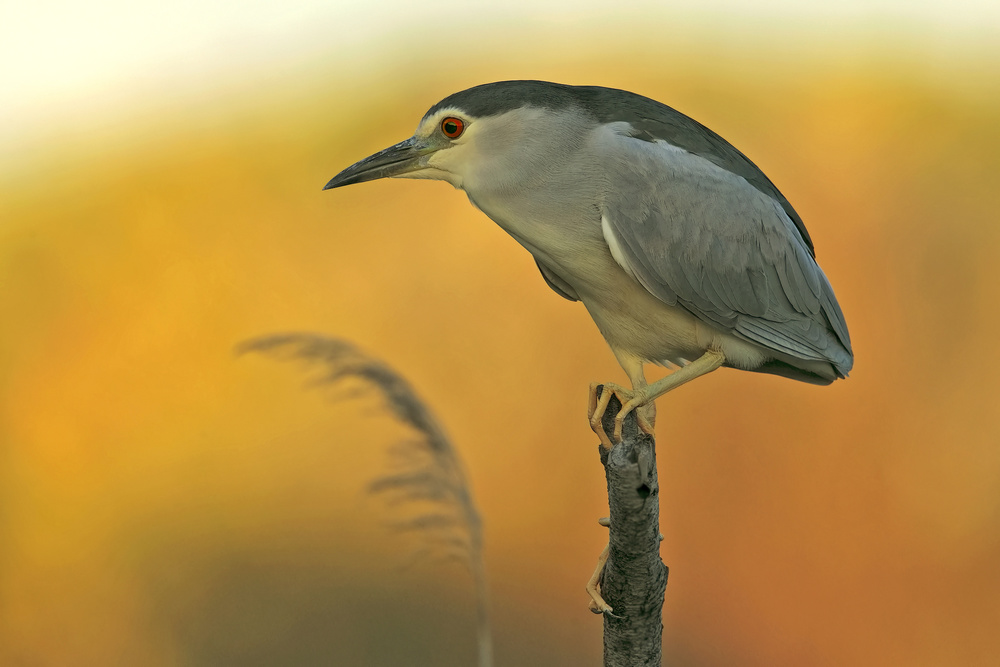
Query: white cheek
(450, 164)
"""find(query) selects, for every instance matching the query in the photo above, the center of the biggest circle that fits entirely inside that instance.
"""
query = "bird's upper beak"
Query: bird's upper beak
(403, 158)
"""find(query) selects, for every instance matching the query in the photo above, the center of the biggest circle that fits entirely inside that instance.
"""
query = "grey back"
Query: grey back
(650, 120)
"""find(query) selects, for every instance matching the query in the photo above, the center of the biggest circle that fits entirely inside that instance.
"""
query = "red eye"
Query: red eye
(452, 127)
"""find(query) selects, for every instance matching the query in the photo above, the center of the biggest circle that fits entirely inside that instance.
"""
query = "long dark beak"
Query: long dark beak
(396, 160)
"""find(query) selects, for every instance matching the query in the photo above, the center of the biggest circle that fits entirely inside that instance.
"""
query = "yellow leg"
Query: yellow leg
(597, 603)
(644, 395)
(598, 404)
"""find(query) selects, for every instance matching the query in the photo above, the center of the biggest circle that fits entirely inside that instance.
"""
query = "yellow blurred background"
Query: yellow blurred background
(164, 501)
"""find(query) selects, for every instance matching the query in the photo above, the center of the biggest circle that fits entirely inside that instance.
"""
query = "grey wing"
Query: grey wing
(558, 285)
(696, 235)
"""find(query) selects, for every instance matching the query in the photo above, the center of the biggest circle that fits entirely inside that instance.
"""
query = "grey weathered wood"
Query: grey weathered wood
(635, 579)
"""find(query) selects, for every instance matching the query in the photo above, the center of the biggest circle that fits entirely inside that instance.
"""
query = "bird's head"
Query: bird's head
(497, 134)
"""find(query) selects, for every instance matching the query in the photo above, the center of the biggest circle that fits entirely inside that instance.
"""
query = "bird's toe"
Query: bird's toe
(599, 405)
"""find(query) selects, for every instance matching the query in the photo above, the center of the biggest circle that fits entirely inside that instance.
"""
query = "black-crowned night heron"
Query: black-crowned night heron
(681, 249)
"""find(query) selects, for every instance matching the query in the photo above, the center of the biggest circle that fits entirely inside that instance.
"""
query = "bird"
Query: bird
(680, 248)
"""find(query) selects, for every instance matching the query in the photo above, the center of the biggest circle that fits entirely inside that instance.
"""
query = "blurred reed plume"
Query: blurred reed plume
(426, 483)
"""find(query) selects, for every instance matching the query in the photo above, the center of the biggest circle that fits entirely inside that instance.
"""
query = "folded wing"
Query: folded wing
(700, 236)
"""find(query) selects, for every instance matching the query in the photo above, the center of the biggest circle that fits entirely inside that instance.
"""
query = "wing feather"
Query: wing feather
(694, 234)
(558, 285)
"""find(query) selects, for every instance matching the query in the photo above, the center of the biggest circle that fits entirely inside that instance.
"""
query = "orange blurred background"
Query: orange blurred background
(166, 502)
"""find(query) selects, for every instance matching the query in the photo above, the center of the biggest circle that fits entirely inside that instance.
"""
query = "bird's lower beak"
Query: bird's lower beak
(405, 157)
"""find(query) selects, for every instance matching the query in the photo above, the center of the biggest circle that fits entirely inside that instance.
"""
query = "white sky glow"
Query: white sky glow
(56, 55)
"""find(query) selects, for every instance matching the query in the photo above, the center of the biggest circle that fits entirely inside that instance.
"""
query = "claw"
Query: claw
(597, 603)
(631, 399)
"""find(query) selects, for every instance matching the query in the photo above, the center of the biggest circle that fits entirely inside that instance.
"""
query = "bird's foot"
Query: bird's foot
(597, 603)
(631, 399)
